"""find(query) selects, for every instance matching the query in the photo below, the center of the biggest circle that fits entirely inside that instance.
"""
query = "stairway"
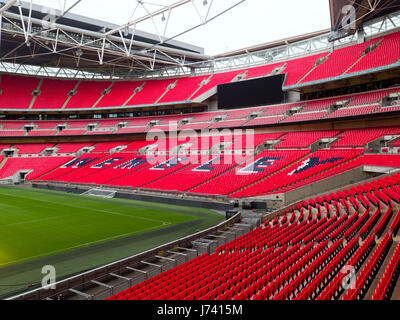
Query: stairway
(75, 89)
(204, 82)
(375, 282)
(3, 162)
(140, 88)
(313, 68)
(34, 97)
(171, 86)
(362, 56)
(102, 95)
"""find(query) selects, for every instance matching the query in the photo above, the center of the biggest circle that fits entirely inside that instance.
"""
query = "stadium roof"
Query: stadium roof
(75, 46)
(73, 41)
(348, 15)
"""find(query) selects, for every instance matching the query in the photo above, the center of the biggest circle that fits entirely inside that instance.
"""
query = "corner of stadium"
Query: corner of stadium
(136, 167)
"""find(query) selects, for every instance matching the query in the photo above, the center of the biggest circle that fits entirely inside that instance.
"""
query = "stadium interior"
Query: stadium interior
(299, 151)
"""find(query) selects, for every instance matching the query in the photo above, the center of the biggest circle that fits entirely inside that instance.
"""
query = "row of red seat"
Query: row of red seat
(270, 263)
(388, 280)
(335, 287)
(371, 267)
(271, 269)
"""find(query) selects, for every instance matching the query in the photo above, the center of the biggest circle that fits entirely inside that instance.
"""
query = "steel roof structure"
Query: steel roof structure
(32, 37)
(74, 46)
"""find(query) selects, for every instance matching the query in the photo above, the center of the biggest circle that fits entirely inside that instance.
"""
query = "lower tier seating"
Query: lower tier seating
(36, 166)
(309, 252)
(203, 165)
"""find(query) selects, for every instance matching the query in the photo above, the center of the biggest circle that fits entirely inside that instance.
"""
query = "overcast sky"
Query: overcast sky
(251, 22)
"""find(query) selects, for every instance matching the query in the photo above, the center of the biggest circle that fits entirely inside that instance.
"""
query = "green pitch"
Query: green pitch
(76, 233)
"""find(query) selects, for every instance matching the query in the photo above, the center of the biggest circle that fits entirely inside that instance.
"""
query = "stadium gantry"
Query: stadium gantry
(268, 173)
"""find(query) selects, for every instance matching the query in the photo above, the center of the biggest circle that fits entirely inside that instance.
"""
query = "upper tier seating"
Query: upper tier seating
(184, 89)
(17, 90)
(214, 80)
(119, 94)
(54, 94)
(263, 71)
(151, 92)
(338, 62)
(87, 94)
(298, 68)
(388, 52)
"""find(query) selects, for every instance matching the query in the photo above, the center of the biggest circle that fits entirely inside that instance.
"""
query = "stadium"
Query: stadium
(134, 166)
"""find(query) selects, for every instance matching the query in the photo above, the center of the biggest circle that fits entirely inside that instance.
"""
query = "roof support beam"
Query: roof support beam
(7, 6)
(150, 15)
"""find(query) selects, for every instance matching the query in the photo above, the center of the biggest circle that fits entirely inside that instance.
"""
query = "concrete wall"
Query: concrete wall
(342, 179)
(277, 201)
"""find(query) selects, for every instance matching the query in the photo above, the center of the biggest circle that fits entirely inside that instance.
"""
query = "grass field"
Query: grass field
(42, 226)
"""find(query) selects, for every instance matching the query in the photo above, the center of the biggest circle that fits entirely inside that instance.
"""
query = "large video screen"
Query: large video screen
(250, 93)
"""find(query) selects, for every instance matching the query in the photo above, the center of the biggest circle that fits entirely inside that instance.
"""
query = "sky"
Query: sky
(250, 23)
